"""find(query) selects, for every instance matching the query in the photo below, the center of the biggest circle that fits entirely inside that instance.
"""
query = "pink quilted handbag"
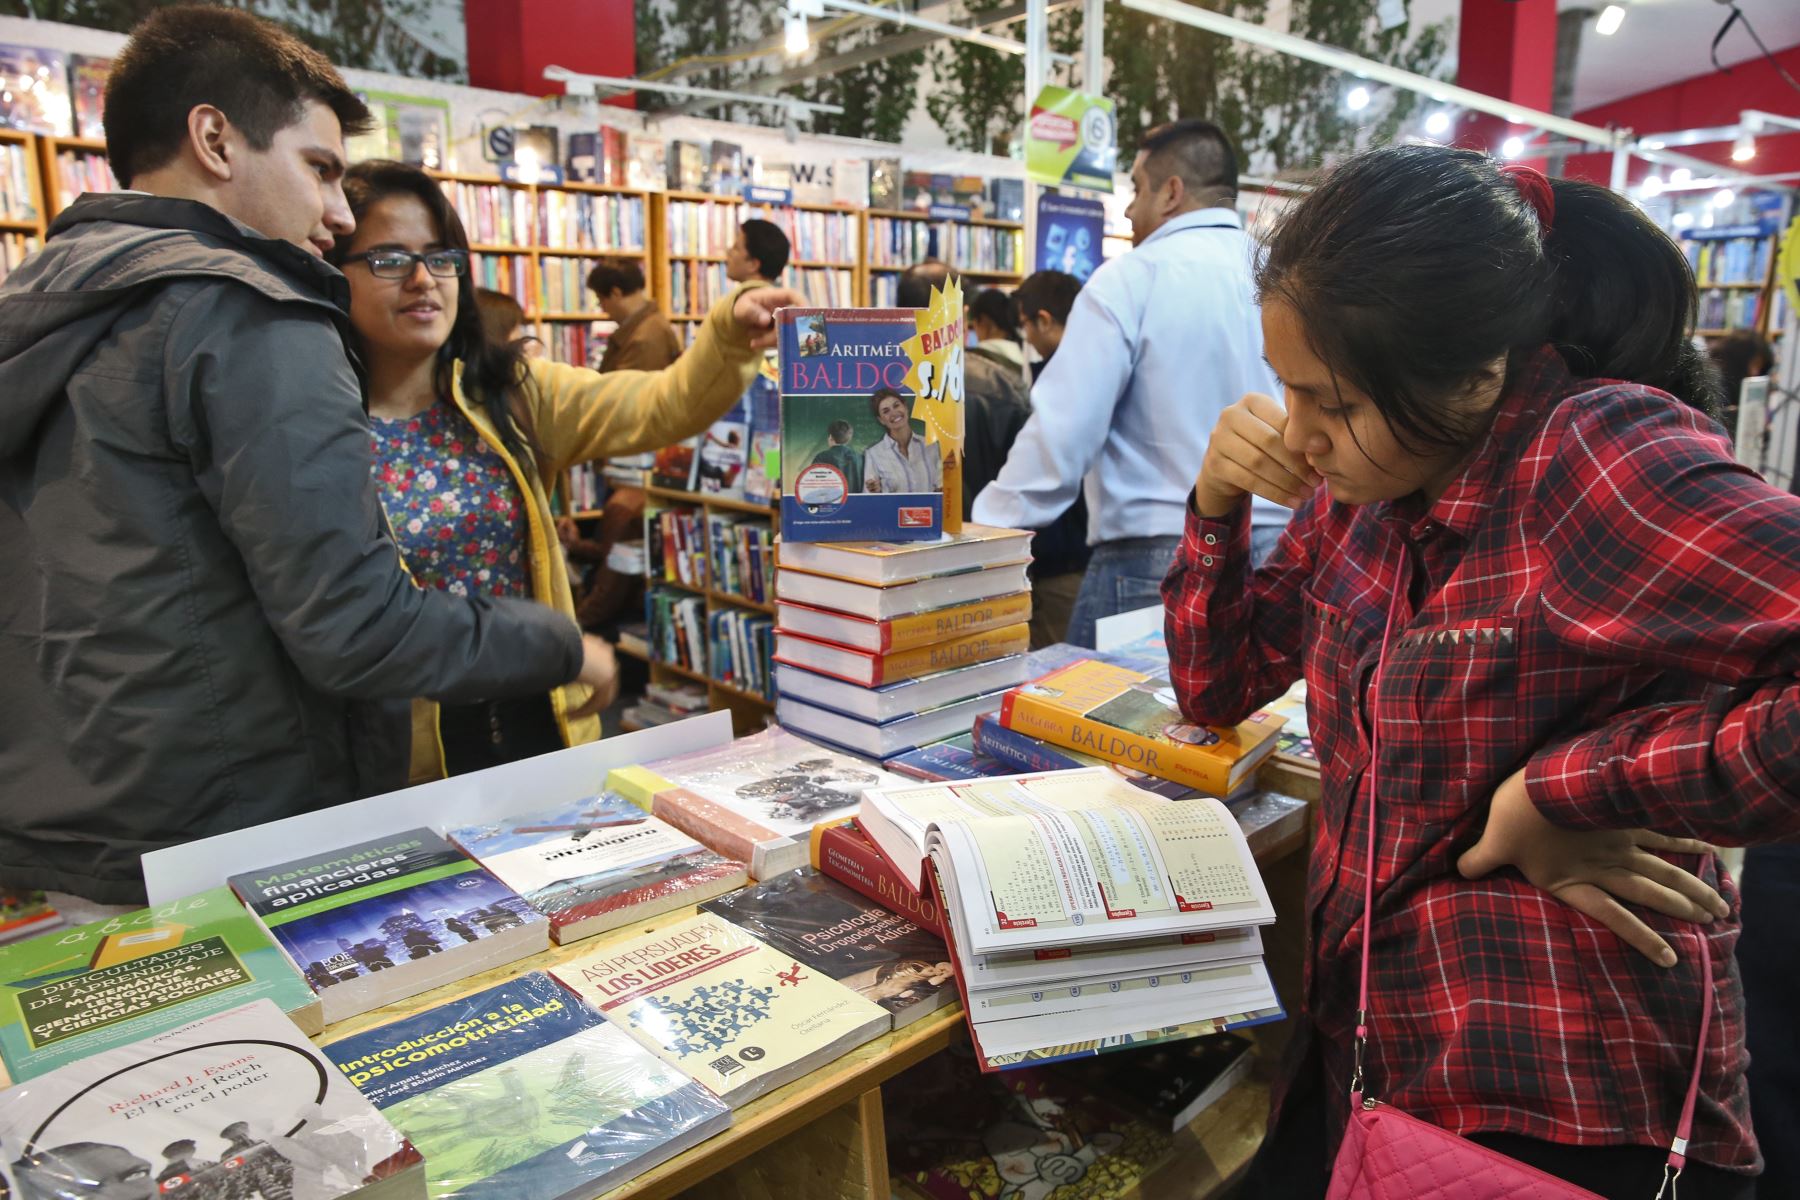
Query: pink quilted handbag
(1387, 1155)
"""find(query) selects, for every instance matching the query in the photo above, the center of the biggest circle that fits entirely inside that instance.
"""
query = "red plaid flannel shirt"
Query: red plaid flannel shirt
(1604, 598)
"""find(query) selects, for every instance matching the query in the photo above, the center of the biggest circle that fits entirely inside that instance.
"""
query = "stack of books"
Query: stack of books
(756, 800)
(883, 647)
(1083, 913)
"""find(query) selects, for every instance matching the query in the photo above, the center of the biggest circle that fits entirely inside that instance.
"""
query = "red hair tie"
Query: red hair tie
(1534, 189)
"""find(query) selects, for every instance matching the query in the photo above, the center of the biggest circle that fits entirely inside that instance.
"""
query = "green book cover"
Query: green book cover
(76, 992)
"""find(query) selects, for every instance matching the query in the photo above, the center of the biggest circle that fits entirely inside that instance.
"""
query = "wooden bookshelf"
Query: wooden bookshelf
(52, 150)
(749, 710)
(958, 266)
(23, 219)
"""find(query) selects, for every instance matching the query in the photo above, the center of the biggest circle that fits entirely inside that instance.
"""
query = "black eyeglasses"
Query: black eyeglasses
(398, 264)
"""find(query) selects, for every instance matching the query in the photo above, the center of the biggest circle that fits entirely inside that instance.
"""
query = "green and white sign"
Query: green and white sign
(1072, 140)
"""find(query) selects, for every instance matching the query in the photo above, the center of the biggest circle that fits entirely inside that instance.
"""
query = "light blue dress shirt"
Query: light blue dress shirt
(919, 469)
(1160, 342)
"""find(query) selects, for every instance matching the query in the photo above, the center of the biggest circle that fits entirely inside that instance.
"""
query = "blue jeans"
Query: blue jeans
(1127, 575)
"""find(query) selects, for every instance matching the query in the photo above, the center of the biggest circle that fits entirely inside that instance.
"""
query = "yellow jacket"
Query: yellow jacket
(578, 415)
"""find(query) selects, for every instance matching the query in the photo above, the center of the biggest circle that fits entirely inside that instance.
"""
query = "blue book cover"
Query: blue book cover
(520, 1092)
(1021, 753)
(951, 759)
(855, 465)
(350, 913)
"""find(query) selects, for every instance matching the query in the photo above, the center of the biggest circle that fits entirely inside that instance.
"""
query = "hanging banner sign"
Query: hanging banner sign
(1072, 140)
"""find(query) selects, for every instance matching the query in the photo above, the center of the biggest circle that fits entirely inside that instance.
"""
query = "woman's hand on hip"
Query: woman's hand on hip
(1593, 870)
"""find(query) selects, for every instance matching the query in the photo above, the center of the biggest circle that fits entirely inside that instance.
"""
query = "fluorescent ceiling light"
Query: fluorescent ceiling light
(1357, 98)
(1438, 123)
(1744, 148)
(795, 40)
(1611, 17)
(1512, 147)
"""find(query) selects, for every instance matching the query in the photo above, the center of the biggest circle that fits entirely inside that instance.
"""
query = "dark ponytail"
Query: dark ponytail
(1412, 268)
(492, 371)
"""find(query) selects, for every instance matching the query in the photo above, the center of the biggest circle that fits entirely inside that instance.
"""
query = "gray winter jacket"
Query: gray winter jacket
(204, 623)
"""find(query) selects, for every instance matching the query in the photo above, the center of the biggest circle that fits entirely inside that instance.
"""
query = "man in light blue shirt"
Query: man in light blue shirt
(1158, 344)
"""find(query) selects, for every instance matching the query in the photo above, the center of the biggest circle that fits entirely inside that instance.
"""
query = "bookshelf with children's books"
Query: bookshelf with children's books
(710, 598)
(22, 215)
(697, 228)
(71, 166)
(983, 251)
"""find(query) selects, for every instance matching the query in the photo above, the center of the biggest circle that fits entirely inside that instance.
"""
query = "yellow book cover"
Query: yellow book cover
(922, 629)
(1131, 718)
(724, 1008)
(946, 656)
(637, 784)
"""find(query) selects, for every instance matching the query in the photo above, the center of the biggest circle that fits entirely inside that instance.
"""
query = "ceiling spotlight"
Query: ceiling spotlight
(1724, 198)
(795, 39)
(1512, 147)
(1683, 220)
(1611, 17)
(1653, 185)
(1357, 98)
(1680, 177)
(1438, 123)
(1744, 148)
(1651, 144)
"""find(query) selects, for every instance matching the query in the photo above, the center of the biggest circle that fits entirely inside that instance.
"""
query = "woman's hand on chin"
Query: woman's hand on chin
(1593, 870)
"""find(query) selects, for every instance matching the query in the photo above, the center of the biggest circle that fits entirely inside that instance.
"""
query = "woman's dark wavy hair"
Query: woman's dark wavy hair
(492, 372)
(1413, 267)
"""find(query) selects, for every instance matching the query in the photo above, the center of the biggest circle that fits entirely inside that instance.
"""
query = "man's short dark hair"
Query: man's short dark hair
(1196, 151)
(839, 431)
(768, 246)
(256, 73)
(916, 282)
(998, 308)
(622, 275)
(1053, 292)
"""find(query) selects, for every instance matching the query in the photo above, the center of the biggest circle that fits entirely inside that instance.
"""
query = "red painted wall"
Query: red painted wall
(511, 41)
(1701, 102)
(1506, 50)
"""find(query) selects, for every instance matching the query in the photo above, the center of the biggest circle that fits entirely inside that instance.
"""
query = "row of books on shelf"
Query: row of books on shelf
(823, 287)
(898, 243)
(576, 342)
(509, 273)
(677, 623)
(743, 644)
(79, 171)
(695, 286)
(676, 546)
(492, 215)
(742, 554)
(583, 220)
(1739, 309)
(702, 227)
(18, 199)
(1742, 260)
(739, 456)
(562, 285)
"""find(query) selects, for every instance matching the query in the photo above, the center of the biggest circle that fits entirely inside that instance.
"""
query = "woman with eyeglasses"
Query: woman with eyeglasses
(469, 436)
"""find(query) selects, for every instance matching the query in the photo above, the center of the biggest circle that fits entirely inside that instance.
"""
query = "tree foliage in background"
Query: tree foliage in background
(877, 97)
(1281, 112)
(370, 34)
(676, 31)
(977, 101)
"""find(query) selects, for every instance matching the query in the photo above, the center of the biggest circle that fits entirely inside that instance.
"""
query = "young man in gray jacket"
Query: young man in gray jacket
(205, 623)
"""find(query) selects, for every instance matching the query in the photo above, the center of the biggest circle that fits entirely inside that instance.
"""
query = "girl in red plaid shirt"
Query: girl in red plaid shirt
(1493, 419)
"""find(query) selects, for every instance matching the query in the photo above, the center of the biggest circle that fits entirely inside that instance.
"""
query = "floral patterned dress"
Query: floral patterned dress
(456, 509)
